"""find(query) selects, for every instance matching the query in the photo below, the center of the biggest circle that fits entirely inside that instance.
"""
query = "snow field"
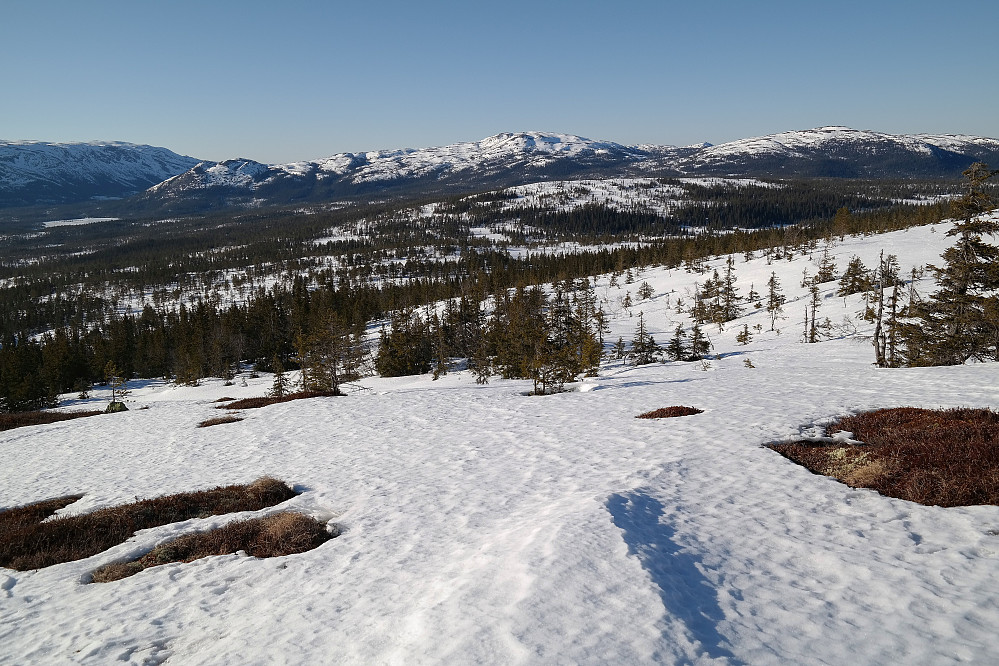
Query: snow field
(484, 526)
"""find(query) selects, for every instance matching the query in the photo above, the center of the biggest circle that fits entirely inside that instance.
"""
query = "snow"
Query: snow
(77, 222)
(484, 526)
(803, 141)
(25, 162)
(525, 150)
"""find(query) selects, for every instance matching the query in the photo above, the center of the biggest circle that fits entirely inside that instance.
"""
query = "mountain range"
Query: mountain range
(42, 173)
(158, 180)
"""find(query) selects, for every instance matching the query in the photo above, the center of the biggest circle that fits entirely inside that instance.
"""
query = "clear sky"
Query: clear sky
(280, 81)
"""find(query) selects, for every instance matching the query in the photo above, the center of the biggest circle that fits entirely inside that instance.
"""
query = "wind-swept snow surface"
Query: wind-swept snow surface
(484, 526)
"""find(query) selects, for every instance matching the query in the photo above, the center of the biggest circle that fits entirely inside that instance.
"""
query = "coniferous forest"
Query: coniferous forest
(395, 289)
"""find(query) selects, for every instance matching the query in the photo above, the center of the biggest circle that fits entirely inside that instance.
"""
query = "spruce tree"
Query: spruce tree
(644, 349)
(728, 294)
(775, 299)
(280, 386)
(699, 344)
(960, 321)
(855, 278)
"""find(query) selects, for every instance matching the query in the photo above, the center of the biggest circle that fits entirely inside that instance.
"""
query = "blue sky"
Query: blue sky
(285, 81)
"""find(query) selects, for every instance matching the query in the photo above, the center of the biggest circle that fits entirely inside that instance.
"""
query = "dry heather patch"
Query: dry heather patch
(670, 412)
(21, 419)
(229, 418)
(281, 534)
(20, 517)
(75, 537)
(256, 403)
(934, 457)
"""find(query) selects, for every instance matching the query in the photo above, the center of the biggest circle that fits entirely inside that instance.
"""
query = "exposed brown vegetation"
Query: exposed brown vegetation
(670, 412)
(272, 536)
(256, 403)
(934, 457)
(72, 538)
(21, 419)
(31, 514)
(229, 418)
(225, 399)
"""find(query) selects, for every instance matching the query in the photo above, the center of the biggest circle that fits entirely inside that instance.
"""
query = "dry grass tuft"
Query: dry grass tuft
(933, 457)
(256, 403)
(670, 412)
(31, 514)
(219, 420)
(75, 537)
(272, 536)
(21, 419)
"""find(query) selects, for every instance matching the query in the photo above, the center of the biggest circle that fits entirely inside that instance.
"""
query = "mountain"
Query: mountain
(497, 161)
(36, 172)
(843, 152)
(514, 159)
(46, 173)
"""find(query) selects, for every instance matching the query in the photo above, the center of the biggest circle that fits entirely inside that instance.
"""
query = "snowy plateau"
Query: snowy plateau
(483, 525)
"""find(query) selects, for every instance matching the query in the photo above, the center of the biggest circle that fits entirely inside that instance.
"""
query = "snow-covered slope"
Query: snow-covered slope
(484, 526)
(38, 172)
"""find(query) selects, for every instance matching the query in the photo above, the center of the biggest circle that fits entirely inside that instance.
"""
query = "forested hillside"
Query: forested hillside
(190, 298)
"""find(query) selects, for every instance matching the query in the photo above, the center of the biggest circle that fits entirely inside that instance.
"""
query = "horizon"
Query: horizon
(299, 82)
(539, 132)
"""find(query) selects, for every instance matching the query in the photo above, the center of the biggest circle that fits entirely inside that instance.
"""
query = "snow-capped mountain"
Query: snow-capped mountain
(843, 152)
(32, 172)
(500, 160)
(510, 159)
(37, 172)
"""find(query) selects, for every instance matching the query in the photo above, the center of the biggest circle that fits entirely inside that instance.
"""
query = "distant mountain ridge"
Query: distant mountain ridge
(510, 159)
(186, 185)
(39, 172)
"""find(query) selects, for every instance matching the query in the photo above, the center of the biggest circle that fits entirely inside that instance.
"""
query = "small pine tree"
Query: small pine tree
(728, 294)
(676, 348)
(119, 388)
(827, 268)
(815, 299)
(855, 278)
(744, 337)
(279, 388)
(618, 350)
(644, 349)
(645, 291)
(699, 344)
(775, 299)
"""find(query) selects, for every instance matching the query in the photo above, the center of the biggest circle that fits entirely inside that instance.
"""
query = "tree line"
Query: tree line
(530, 334)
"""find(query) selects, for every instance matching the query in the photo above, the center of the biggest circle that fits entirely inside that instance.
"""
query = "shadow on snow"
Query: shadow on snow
(685, 592)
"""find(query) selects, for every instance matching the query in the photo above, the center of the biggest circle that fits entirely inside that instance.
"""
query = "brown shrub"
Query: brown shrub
(226, 399)
(76, 537)
(31, 514)
(21, 419)
(256, 403)
(280, 534)
(934, 457)
(670, 412)
(229, 418)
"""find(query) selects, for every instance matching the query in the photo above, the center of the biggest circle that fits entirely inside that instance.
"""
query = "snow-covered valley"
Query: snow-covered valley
(482, 525)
